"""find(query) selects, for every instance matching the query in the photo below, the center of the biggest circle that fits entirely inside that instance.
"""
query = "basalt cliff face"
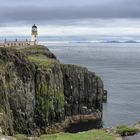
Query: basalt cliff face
(36, 91)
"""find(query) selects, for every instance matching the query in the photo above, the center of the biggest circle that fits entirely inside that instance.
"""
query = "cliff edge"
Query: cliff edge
(37, 91)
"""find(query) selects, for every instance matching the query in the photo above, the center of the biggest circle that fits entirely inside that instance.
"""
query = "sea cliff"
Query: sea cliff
(37, 91)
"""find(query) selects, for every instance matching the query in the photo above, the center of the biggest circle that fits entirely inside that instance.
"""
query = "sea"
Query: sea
(118, 64)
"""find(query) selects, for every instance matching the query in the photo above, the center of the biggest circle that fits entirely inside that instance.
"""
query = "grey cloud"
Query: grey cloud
(62, 11)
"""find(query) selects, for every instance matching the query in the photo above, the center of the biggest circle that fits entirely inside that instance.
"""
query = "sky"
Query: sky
(96, 19)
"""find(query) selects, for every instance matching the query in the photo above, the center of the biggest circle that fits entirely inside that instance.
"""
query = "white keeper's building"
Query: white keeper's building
(17, 43)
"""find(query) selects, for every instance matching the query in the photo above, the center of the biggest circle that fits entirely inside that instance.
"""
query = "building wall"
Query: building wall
(1, 45)
(18, 43)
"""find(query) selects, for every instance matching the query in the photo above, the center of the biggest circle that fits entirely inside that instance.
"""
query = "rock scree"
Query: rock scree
(37, 92)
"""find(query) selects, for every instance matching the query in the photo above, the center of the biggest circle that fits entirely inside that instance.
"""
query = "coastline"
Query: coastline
(60, 127)
(50, 92)
(100, 134)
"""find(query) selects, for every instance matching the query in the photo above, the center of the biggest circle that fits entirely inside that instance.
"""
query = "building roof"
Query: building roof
(34, 26)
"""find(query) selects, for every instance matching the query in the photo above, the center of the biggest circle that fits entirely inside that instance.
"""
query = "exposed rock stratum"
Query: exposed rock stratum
(37, 91)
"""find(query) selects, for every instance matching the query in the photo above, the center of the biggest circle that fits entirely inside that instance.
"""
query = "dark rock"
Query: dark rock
(83, 90)
(36, 91)
(105, 96)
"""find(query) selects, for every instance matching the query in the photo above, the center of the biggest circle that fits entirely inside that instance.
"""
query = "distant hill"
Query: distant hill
(116, 41)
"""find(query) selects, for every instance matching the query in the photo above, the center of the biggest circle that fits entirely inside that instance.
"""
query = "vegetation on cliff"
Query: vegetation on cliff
(42, 62)
(36, 91)
(125, 130)
(89, 135)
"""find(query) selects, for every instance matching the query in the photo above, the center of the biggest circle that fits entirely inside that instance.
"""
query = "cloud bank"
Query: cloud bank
(75, 17)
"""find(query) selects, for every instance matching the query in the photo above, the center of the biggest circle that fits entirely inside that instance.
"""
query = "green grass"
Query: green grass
(42, 61)
(38, 48)
(21, 137)
(3, 66)
(125, 130)
(89, 135)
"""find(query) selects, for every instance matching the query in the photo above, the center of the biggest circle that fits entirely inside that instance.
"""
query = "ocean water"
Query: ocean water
(118, 65)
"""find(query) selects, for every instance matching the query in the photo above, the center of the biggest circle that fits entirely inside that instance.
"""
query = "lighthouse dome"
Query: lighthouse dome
(34, 26)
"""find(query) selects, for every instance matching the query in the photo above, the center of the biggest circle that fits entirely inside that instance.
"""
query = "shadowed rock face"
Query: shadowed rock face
(83, 90)
(36, 91)
(17, 91)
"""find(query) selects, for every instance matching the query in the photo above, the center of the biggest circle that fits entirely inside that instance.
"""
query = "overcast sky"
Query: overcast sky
(120, 18)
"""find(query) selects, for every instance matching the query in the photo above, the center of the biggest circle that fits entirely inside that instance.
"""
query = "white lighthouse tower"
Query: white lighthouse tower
(34, 34)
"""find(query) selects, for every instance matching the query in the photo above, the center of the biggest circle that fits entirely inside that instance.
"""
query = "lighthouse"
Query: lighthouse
(34, 34)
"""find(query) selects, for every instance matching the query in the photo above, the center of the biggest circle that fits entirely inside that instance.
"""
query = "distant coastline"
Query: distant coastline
(69, 39)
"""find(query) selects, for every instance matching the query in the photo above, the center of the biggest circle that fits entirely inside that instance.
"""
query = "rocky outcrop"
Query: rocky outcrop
(83, 90)
(36, 91)
(75, 119)
(17, 91)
